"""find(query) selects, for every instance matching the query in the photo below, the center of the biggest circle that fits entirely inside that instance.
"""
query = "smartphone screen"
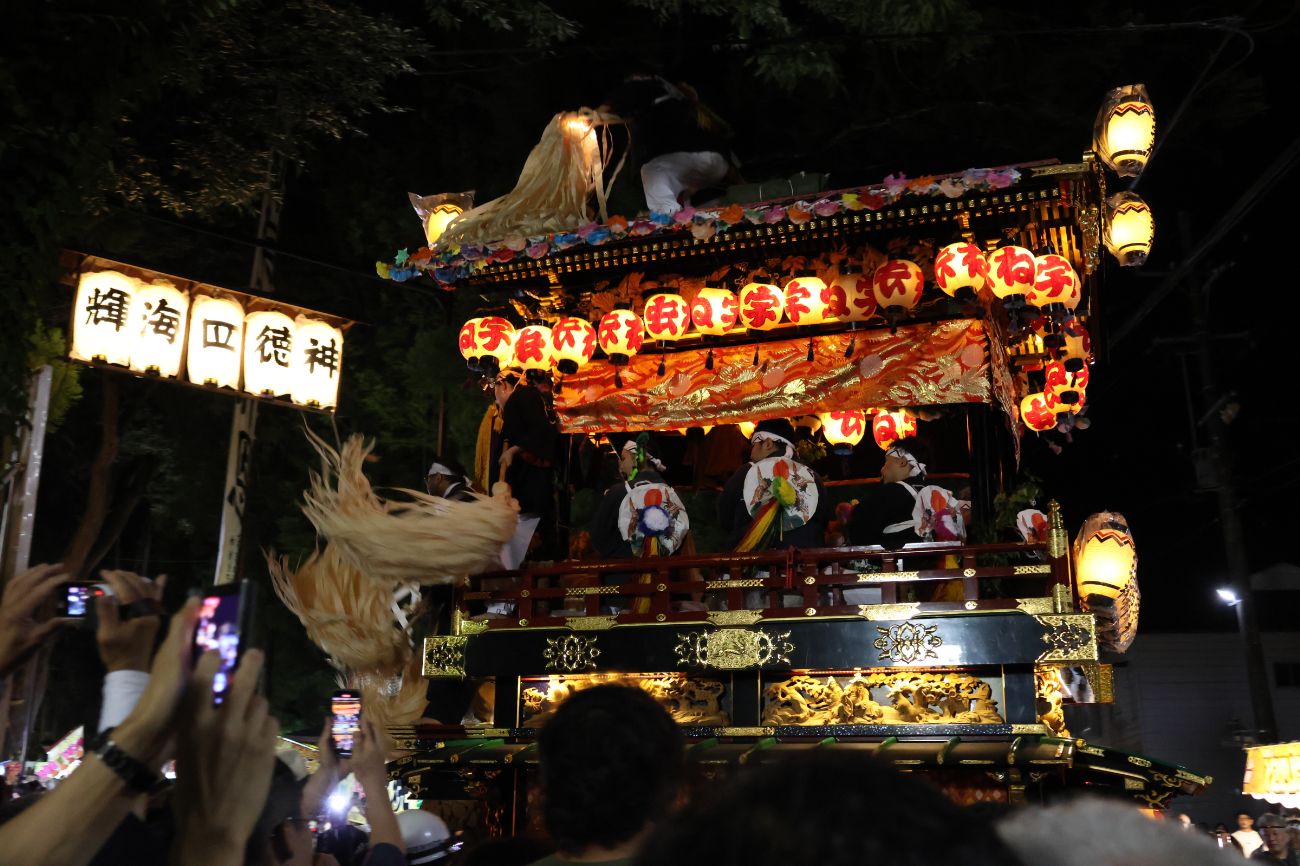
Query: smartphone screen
(78, 599)
(218, 631)
(345, 708)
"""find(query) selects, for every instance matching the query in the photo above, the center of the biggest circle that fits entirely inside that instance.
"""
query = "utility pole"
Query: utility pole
(1222, 482)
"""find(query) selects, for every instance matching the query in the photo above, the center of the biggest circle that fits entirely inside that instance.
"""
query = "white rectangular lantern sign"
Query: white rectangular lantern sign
(157, 329)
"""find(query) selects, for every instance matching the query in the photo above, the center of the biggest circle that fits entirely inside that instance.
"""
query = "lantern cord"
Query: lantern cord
(810, 349)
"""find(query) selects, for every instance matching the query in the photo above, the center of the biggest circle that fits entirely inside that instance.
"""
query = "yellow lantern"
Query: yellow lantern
(1105, 559)
(1011, 271)
(666, 317)
(437, 211)
(1125, 131)
(859, 300)
(1067, 387)
(960, 266)
(216, 341)
(1076, 345)
(317, 363)
(1130, 228)
(897, 285)
(844, 429)
(1038, 411)
(806, 301)
(747, 428)
(158, 313)
(533, 348)
(100, 330)
(573, 342)
(495, 338)
(620, 336)
(1055, 282)
(762, 306)
(714, 311)
(888, 427)
(268, 353)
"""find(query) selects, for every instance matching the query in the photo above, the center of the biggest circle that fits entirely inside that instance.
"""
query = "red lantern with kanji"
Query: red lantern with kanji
(533, 348)
(1037, 412)
(715, 311)
(859, 300)
(620, 335)
(468, 340)
(492, 337)
(960, 266)
(844, 429)
(888, 427)
(666, 317)
(1067, 388)
(806, 300)
(573, 342)
(897, 284)
(762, 306)
(1055, 282)
(1076, 345)
(1011, 271)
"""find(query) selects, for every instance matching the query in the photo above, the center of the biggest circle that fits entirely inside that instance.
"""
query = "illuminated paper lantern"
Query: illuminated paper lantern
(897, 284)
(159, 312)
(573, 342)
(268, 353)
(1105, 557)
(437, 211)
(666, 317)
(887, 427)
(1037, 412)
(1065, 387)
(1130, 228)
(468, 340)
(859, 300)
(960, 266)
(1055, 282)
(1125, 130)
(1076, 345)
(495, 338)
(318, 363)
(533, 348)
(216, 341)
(747, 428)
(844, 429)
(620, 335)
(100, 323)
(714, 311)
(806, 301)
(762, 306)
(1011, 271)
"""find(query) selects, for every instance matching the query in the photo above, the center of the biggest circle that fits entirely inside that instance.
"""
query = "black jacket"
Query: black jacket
(605, 534)
(734, 517)
(881, 506)
(525, 422)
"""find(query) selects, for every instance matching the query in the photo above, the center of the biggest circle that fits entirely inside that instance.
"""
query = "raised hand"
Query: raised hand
(127, 644)
(152, 723)
(20, 633)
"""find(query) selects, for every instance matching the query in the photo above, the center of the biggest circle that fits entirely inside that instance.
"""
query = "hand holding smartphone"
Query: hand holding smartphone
(345, 712)
(224, 621)
(78, 599)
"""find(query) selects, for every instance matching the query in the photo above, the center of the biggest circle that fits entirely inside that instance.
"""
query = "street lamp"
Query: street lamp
(1261, 697)
(1228, 596)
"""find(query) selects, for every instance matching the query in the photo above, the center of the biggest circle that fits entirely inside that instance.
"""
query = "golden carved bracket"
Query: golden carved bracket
(909, 643)
(590, 623)
(733, 649)
(444, 656)
(571, 653)
(1070, 637)
(735, 617)
(888, 612)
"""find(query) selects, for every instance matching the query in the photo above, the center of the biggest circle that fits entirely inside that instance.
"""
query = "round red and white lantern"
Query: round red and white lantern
(898, 284)
(715, 311)
(573, 342)
(666, 317)
(533, 348)
(1066, 387)
(805, 300)
(960, 266)
(1055, 282)
(495, 338)
(844, 429)
(889, 426)
(1076, 347)
(620, 335)
(1037, 412)
(859, 300)
(1011, 271)
(762, 306)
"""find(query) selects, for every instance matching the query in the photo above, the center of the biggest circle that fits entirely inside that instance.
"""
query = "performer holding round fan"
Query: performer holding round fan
(775, 501)
(641, 516)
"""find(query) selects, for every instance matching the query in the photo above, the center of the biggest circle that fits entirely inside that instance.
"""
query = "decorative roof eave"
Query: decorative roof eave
(692, 232)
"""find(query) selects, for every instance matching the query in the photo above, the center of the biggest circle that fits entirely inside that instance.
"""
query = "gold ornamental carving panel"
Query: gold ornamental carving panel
(733, 649)
(571, 653)
(689, 700)
(1069, 637)
(444, 656)
(882, 697)
(908, 643)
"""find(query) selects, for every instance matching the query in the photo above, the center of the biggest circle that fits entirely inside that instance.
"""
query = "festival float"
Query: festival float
(971, 294)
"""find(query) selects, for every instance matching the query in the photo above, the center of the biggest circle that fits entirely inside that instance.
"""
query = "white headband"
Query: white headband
(630, 445)
(918, 468)
(764, 435)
